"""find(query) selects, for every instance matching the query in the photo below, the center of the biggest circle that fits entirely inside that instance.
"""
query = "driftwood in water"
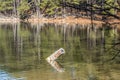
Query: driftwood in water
(55, 55)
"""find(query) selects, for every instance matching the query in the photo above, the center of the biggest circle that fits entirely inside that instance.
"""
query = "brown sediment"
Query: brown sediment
(60, 20)
(68, 20)
(9, 20)
(114, 21)
(72, 20)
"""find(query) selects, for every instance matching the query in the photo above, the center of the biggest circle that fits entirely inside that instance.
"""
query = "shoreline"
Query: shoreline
(9, 20)
(66, 20)
(72, 20)
(61, 21)
(58, 20)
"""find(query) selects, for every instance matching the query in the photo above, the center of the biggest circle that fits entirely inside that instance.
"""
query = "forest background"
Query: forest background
(93, 9)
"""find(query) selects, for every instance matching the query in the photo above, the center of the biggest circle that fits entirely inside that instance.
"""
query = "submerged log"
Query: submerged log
(55, 55)
(51, 60)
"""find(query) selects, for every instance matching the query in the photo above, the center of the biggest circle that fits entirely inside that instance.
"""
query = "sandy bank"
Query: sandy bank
(68, 20)
(9, 20)
(73, 21)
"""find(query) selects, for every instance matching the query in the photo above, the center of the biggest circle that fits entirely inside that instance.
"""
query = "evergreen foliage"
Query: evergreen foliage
(51, 8)
(6, 6)
(23, 8)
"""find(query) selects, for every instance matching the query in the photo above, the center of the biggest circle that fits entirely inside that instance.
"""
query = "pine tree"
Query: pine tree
(6, 6)
(23, 9)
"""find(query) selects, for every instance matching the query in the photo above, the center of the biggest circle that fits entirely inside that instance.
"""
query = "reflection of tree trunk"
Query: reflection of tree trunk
(102, 45)
(91, 75)
(88, 36)
(73, 30)
(95, 34)
(17, 41)
(64, 29)
(115, 33)
(37, 40)
(73, 73)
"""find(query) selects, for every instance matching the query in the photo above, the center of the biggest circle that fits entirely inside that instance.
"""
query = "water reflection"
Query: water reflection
(56, 66)
(6, 76)
(24, 48)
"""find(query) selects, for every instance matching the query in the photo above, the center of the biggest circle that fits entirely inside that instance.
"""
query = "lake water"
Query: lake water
(91, 52)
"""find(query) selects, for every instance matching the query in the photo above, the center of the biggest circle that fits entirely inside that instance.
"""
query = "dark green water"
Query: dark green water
(91, 53)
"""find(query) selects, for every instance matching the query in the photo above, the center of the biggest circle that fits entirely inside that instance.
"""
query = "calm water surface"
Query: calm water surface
(91, 53)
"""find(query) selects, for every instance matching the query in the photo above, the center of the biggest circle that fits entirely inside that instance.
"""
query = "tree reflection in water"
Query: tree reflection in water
(91, 52)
